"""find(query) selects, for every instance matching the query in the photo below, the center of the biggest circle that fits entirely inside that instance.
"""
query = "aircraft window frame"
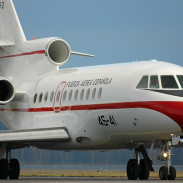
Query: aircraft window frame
(35, 98)
(51, 96)
(143, 83)
(46, 97)
(82, 94)
(154, 82)
(76, 94)
(70, 95)
(180, 80)
(94, 93)
(167, 84)
(64, 95)
(58, 96)
(100, 92)
(40, 97)
(88, 94)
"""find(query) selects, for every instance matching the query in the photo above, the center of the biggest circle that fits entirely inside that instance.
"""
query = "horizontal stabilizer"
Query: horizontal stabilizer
(34, 135)
(82, 54)
(4, 43)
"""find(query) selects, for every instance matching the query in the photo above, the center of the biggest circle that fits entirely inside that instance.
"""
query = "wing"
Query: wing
(34, 135)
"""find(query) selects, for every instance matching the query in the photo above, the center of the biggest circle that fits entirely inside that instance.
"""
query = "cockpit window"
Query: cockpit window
(154, 83)
(143, 82)
(168, 82)
(180, 78)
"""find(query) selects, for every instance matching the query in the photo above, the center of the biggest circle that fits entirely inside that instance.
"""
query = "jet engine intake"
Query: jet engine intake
(7, 91)
(58, 51)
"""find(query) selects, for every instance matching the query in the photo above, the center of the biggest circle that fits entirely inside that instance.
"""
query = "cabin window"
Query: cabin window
(58, 96)
(143, 82)
(70, 95)
(154, 83)
(87, 94)
(64, 95)
(76, 94)
(35, 97)
(100, 93)
(180, 78)
(82, 94)
(46, 97)
(40, 97)
(93, 93)
(168, 82)
(51, 96)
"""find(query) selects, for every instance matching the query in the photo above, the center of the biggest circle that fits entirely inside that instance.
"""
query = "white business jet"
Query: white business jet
(134, 105)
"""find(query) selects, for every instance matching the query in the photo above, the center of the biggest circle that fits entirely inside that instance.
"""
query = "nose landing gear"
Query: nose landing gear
(140, 168)
(168, 171)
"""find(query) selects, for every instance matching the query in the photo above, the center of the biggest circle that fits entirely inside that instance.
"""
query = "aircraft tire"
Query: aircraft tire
(132, 169)
(144, 169)
(163, 173)
(172, 173)
(14, 169)
(3, 169)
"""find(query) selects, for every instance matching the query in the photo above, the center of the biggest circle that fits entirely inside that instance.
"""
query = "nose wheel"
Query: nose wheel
(165, 174)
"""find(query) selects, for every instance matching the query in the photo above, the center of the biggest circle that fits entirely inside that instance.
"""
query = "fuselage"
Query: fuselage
(101, 107)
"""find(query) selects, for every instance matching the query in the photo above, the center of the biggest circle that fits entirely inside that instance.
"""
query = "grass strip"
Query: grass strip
(82, 173)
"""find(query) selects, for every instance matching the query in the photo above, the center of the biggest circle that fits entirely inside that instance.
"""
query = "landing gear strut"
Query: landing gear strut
(167, 171)
(139, 168)
(9, 167)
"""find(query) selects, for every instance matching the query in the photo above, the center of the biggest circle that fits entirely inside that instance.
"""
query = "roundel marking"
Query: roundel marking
(57, 104)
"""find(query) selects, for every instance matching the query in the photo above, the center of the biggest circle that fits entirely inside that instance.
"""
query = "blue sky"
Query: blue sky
(115, 31)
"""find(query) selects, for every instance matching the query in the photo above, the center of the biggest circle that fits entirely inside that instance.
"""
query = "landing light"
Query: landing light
(165, 154)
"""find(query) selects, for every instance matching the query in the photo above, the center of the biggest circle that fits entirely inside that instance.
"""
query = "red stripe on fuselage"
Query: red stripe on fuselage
(173, 110)
(23, 54)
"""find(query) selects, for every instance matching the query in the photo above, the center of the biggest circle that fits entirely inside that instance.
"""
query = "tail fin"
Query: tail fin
(10, 28)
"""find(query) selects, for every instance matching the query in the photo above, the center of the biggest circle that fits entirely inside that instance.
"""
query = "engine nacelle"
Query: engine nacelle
(58, 51)
(7, 91)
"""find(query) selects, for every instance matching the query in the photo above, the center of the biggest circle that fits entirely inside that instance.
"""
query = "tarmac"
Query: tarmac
(83, 179)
